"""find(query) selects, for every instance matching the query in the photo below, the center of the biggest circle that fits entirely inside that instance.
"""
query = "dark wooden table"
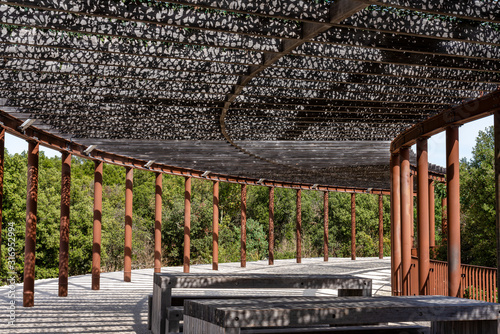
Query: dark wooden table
(446, 314)
(164, 296)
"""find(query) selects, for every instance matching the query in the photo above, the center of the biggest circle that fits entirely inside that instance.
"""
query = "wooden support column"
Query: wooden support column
(453, 191)
(96, 238)
(271, 225)
(406, 221)
(158, 209)
(412, 209)
(298, 225)
(187, 223)
(380, 227)
(129, 185)
(325, 226)
(243, 225)
(444, 221)
(497, 190)
(432, 215)
(30, 236)
(64, 223)
(215, 227)
(395, 225)
(423, 216)
(2, 159)
(353, 226)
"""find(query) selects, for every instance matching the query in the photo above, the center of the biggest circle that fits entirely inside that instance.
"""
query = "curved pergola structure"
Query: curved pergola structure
(305, 94)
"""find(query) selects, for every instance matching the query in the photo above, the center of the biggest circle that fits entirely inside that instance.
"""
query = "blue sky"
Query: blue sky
(437, 147)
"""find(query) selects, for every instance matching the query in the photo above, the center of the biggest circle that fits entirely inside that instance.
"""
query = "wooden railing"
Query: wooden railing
(479, 283)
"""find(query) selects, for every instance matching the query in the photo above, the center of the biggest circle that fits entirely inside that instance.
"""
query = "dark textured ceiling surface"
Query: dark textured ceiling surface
(308, 91)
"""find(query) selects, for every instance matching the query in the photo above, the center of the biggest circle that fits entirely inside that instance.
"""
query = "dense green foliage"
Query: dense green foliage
(47, 246)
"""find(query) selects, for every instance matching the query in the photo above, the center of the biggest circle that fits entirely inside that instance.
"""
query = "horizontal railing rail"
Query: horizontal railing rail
(479, 283)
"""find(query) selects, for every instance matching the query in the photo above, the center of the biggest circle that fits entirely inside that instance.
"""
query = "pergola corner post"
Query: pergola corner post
(453, 192)
(298, 226)
(432, 215)
(497, 191)
(2, 159)
(325, 226)
(158, 209)
(353, 226)
(215, 227)
(380, 227)
(271, 225)
(423, 216)
(406, 220)
(243, 259)
(395, 225)
(129, 184)
(96, 229)
(31, 220)
(187, 224)
(64, 223)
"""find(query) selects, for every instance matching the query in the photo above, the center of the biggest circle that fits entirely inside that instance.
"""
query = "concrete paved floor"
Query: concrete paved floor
(121, 307)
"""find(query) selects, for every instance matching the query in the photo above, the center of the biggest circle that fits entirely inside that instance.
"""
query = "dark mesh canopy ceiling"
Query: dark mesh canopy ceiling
(306, 91)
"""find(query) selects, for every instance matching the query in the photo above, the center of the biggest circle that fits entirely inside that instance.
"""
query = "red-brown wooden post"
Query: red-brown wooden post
(353, 226)
(423, 216)
(412, 209)
(380, 227)
(325, 226)
(298, 225)
(187, 223)
(129, 184)
(2, 158)
(432, 215)
(406, 221)
(444, 219)
(96, 238)
(271, 225)
(215, 228)
(158, 209)
(30, 236)
(64, 224)
(395, 225)
(497, 194)
(243, 225)
(453, 192)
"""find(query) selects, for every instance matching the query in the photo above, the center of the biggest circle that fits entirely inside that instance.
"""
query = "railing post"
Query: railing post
(497, 193)
(96, 230)
(127, 263)
(64, 223)
(453, 190)
(158, 209)
(395, 225)
(30, 236)
(298, 226)
(432, 215)
(353, 226)
(423, 216)
(271, 225)
(406, 220)
(325, 226)
(187, 223)
(380, 227)
(243, 225)
(215, 227)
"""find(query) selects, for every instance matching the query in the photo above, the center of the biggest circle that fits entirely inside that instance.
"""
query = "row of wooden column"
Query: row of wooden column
(32, 197)
(402, 216)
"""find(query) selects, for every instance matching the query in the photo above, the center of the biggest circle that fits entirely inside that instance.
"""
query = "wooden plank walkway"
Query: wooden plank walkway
(121, 307)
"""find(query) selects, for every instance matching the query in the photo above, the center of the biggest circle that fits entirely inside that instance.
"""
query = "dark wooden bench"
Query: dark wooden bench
(446, 314)
(166, 306)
